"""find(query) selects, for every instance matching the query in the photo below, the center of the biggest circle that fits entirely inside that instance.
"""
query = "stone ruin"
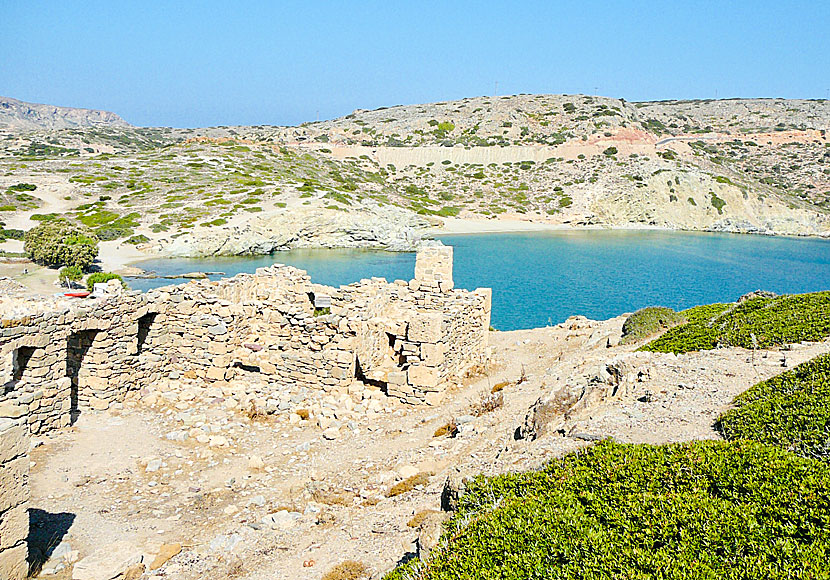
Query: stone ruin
(60, 357)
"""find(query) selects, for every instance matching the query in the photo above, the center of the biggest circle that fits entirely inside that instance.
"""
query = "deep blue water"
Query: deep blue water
(542, 278)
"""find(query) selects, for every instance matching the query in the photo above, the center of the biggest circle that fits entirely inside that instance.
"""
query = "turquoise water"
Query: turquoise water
(542, 278)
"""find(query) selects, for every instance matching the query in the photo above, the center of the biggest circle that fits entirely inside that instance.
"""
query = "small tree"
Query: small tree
(70, 274)
(610, 151)
(61, 243)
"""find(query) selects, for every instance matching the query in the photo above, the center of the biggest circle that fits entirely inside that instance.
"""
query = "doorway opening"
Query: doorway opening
(77, 347)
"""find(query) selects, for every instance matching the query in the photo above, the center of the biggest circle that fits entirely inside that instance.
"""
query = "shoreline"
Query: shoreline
(460, 226)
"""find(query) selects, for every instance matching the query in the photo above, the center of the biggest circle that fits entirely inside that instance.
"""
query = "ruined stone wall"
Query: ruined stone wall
(263, 323)
(411, 339)
(57, 357)
(14, 496)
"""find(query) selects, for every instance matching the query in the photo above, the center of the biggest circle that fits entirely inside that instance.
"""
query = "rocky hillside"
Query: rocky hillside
(752, 166)
(27, 116)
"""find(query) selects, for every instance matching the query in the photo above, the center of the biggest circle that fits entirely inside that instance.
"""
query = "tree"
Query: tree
(61, 243)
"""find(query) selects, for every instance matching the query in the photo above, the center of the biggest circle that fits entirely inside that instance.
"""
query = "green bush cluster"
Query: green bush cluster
(61, 243)
(99, 277)
(759, 322)
(71, 273)
(10, 234)
(707, 509)
(648, 321)
(23, 187)
(791, 410)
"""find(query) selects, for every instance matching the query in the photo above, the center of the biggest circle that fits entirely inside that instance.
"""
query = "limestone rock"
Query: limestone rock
(166, 552)
(107, 562)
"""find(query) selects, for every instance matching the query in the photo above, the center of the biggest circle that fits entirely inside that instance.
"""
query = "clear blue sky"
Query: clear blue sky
(190, 63)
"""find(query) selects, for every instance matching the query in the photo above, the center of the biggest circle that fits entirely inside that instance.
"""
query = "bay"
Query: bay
(542, 278)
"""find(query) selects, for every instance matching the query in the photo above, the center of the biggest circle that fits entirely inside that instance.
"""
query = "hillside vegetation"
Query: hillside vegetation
(758, 322)
(791, 411)
(755, 166)
(648, 321)
(697, 510)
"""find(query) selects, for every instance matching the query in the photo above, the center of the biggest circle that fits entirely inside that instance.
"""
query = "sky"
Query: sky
(192, 64)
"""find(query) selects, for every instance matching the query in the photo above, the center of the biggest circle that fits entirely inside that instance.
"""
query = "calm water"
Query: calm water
(542, 278)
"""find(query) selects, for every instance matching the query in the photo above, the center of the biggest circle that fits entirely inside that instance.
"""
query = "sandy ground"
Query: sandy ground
(123, 475)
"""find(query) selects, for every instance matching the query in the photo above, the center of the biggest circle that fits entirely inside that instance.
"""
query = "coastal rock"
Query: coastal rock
(367, 226)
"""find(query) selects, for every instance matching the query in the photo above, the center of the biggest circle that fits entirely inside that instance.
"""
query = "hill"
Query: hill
(748, 165)
(27, 116)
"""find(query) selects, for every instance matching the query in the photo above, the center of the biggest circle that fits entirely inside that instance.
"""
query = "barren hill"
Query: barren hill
(21, 115)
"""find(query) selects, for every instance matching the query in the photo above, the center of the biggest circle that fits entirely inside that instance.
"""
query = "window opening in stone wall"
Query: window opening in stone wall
(145, 324)
(20, 360)
(77, 347)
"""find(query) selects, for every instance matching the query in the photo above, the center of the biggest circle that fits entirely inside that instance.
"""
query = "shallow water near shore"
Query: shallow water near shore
(542, 278)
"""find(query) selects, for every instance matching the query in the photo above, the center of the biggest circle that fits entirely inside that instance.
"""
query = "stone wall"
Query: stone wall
(59, 357)
(14, 495)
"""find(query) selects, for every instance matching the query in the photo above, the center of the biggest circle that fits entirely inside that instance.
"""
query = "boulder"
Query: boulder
(107, 562)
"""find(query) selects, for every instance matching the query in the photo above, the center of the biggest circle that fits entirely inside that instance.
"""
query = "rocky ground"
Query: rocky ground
(186, 480)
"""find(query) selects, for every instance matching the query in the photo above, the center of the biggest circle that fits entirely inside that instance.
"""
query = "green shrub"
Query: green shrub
(23, 187)
(610, 151)
(648, 321)
(99, 277)
(11, 234)
(759, 322)
(137, 239)
(60, 243)
(717, 203)
(791, 410)
(71, 273)
(707, 509)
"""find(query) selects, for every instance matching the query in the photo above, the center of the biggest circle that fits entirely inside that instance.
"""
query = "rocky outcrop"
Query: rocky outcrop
(369, 226)
(578, 397)
(16, 114)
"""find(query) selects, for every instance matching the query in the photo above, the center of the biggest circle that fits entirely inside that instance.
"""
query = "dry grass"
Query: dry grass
(348, 570)
(408, 484)
(419, 518)
(488, 404)
(254, 413)
(498, 387)
(333, 497)
(450, 429)
(303, 413)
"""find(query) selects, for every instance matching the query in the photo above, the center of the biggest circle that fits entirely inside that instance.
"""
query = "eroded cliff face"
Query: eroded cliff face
(369, 226)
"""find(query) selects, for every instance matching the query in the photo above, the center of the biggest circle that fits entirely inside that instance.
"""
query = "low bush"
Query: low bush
(791, 410)
(11, 234)
(70, 273)
(707, 509)
(408, 484)
(759, 322)
(348, 570)
(99, 277)
(23, 187)
(648, 321)
(61, 243)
